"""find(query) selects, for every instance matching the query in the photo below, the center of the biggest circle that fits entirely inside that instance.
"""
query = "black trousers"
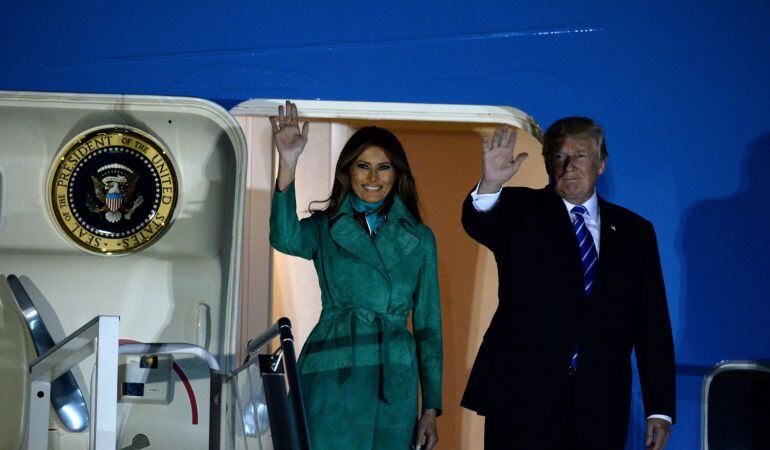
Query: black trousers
(506, 432)
(502, 433)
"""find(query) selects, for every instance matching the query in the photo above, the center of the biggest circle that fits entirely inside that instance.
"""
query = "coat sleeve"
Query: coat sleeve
(485, 227)
(427, 329)
(287, 233)
(654, 343)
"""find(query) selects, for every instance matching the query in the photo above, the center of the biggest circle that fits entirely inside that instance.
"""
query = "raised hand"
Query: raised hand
(289, 140)
(286, 133)
(500, 165)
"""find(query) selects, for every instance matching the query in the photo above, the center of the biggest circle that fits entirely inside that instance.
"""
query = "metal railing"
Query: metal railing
(101, 336)
(282, 330)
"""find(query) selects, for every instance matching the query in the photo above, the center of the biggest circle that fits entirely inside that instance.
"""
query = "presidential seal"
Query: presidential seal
(113, 190)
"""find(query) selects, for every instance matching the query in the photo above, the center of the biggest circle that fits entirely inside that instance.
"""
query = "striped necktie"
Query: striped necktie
(588, 258)
(588, 255)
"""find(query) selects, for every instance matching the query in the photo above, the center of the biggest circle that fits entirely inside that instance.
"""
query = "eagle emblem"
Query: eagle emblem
(113, 190)
(114, 187)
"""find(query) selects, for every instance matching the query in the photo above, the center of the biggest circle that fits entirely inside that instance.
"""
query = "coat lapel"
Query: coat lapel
(608, 246)
(397, 237)
(565, 240)
(350, 235)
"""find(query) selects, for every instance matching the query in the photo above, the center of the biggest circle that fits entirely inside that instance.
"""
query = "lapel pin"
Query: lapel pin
(612, 227)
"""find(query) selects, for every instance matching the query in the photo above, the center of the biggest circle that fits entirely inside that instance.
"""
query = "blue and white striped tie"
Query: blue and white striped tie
(588, 257)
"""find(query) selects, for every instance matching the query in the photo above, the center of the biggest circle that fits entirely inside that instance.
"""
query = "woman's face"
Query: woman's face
(372, 175)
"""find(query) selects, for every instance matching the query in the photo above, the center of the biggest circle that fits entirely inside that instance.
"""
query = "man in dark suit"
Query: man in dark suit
(580, 287)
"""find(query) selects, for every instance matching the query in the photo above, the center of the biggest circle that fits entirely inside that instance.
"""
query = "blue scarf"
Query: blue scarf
(370, 212)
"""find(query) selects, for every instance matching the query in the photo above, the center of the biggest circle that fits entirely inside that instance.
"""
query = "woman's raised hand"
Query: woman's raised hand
(286, 133)
(289, 140)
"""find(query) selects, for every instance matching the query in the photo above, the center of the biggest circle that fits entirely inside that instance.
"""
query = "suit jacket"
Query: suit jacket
(522, 368)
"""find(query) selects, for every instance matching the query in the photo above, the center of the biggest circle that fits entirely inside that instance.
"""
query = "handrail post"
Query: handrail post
(99, 335)
(39, 414)
(282, 330)
(105, 414)
(289, 361)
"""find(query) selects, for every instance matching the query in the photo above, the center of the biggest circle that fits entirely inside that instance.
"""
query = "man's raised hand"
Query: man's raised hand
(499, 162)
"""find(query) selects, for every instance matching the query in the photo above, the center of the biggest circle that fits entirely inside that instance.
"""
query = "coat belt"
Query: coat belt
(388, 324)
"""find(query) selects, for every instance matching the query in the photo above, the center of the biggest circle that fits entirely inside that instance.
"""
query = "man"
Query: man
(580, 287)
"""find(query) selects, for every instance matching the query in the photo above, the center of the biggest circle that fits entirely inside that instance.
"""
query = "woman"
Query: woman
(376, 264)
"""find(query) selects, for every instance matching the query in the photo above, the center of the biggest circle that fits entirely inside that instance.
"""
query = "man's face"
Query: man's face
(575, 169)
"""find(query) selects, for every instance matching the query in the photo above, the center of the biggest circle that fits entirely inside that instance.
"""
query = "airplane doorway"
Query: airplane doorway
(443, 144)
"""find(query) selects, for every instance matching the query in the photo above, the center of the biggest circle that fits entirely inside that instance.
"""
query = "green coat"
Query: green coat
(359, 367)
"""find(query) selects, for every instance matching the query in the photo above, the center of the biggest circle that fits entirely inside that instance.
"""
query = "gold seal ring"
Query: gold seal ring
(113, 190)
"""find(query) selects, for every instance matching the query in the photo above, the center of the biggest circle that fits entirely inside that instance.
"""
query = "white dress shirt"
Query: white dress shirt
(593, 220)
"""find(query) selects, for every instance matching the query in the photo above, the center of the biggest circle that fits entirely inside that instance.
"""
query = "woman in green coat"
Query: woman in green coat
(376, 264)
